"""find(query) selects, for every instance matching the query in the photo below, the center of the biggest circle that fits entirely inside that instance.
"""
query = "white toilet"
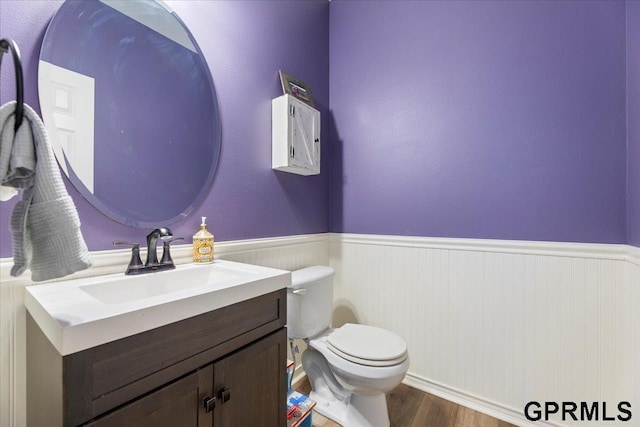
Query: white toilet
(350, 368)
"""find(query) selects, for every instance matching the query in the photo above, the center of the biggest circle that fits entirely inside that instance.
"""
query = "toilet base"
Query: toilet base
(358, 411)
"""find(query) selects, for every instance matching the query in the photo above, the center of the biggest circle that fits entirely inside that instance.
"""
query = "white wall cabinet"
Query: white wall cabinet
(295, 133)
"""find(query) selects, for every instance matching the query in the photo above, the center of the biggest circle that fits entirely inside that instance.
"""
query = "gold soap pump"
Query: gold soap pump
(203, 245)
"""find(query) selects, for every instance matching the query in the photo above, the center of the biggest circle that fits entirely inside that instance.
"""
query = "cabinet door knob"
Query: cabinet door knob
(224, 394)
(209, 403)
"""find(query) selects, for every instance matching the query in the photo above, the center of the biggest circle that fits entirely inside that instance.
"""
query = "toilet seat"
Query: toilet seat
(356, 371)
(367, 345)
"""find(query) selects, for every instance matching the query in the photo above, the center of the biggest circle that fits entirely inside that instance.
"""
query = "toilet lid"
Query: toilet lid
(367, 345)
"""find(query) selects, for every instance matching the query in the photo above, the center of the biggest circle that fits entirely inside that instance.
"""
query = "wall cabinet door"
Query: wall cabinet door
(250, 385)
(295, 134)
(304, 128)
(177, 404)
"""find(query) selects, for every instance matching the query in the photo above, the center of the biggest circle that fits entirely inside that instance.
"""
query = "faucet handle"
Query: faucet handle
(123, 243)
(166, 255)
(172, 239)
(135, 263)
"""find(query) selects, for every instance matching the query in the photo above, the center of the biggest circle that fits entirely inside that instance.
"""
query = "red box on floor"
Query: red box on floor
(299, 409)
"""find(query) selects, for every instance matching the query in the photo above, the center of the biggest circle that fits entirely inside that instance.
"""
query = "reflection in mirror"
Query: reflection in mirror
(129, 104)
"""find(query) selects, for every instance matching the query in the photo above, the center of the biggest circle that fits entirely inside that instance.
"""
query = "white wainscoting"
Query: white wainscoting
(288, 253)
(489, 324)
(496, 324)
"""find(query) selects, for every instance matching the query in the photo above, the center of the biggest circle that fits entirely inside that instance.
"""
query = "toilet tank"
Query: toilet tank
(310, 301)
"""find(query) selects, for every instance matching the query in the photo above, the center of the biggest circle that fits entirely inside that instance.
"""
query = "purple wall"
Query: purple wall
(633, 122)
(245, 44)
(460, 119)
(501, 120)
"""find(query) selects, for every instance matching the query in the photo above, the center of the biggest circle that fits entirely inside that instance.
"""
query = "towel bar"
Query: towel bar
(5, 46)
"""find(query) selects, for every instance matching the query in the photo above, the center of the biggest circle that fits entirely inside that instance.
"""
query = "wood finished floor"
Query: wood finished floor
(409, 407)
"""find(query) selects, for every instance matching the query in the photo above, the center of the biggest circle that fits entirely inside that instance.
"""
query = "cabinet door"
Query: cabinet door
(251, 385)
(179, 404)
(305, 136)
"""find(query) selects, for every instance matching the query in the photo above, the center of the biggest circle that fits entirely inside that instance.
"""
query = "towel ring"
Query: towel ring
(5, 46)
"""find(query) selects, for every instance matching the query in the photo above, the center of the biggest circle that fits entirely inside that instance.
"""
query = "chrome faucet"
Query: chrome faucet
(135, 264)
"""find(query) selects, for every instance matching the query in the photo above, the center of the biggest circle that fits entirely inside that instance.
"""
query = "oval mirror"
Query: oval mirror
(129, 104)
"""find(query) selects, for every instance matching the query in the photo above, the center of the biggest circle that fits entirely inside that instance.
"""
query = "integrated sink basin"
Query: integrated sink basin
(126, 289)
(79, 314)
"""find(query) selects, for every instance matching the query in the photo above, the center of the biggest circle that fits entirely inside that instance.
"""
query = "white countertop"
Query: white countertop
(79, 314)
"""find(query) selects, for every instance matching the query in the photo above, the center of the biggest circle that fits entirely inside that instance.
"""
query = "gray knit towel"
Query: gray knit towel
(45, 227)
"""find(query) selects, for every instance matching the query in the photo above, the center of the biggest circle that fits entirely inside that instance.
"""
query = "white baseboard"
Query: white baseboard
(299, 376)
(476, 403)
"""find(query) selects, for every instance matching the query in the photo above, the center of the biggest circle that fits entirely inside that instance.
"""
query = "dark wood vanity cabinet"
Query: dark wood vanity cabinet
(222, 368)
(176, 404)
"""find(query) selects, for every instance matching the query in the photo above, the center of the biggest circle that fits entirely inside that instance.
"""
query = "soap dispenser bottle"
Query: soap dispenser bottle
(203, 245)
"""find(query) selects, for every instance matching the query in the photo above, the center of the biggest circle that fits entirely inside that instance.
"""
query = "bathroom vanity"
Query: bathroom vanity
(224, 366)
